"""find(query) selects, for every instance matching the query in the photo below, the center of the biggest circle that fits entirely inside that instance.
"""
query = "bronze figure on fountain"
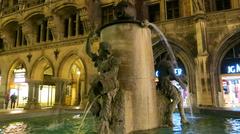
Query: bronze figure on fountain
(165, 87)
(105, 84)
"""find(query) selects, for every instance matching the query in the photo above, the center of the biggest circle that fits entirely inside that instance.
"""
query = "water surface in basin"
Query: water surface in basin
(69, 124)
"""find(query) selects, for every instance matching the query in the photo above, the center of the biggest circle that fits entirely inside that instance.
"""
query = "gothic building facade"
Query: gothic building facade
(43, 58)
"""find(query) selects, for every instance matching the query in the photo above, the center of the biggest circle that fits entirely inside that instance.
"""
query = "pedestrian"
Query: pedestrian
(13, 98)
(6, 100)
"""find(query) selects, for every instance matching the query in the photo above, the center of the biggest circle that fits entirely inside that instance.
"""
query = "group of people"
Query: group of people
(12, 98)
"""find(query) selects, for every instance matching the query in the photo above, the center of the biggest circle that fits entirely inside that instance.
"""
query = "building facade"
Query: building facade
(43, 58)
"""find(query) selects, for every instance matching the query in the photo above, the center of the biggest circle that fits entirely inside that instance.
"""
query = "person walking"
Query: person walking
(13, 98)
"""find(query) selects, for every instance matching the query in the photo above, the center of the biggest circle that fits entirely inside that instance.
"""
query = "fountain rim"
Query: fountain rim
(140, 23)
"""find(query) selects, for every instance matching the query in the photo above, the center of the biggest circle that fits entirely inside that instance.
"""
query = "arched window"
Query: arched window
(43, 32)
(73, 25)
(19, 39)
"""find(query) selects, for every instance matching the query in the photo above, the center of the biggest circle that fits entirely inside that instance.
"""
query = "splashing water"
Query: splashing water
(86, 111)
(163, 39)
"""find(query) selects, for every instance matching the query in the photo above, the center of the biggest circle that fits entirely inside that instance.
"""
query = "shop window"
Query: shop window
(222, 4)
(172, 9)
(107, 14)
(154, 12)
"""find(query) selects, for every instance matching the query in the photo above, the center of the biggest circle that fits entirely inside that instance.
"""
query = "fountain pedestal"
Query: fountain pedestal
(132, 44)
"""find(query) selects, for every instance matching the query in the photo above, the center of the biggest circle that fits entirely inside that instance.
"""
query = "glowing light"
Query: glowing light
(78, 72)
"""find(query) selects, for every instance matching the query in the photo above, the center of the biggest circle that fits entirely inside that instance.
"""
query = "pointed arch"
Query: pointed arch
(228, 42)
(39, 66)
(181, 51)
(73, 68)
(5, 23)
(15, 64)
(67, 62)
(65, 5)
(31, 14)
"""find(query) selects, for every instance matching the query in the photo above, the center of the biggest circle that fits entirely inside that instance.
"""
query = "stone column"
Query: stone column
(77, 22)
(204, 92)
(163, 10)
(61, 85)
(3, 88)
(33, 92)
(132, 44)
(69, 27)
(235, 3)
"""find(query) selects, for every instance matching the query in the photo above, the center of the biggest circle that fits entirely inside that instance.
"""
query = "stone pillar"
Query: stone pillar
(235, 3)
(61, 85)
(33, 92)
(132, 44)
(77, 22)
(41, 32)
(3, 88)
(204, 91)
(163, 10)
(69, 27)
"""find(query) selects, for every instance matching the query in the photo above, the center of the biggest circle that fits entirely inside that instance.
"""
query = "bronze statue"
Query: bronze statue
(198, 6)
(105, 84)
(130, 10)
(166, 88)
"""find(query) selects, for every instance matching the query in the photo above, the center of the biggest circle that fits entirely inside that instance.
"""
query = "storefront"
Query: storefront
(230, 82)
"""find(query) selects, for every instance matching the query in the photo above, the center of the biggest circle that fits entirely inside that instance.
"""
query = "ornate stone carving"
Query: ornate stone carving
(105, 85)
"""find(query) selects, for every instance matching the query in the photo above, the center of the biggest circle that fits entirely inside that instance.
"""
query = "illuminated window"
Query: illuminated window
(172, 9)
(107, 14)
(154, 12)
(19, 75)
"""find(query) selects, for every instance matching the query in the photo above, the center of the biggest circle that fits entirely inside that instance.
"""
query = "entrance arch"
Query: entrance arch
(16, 83)
(72, 68)
(41, 79)
(230, 76)
(228, 43)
